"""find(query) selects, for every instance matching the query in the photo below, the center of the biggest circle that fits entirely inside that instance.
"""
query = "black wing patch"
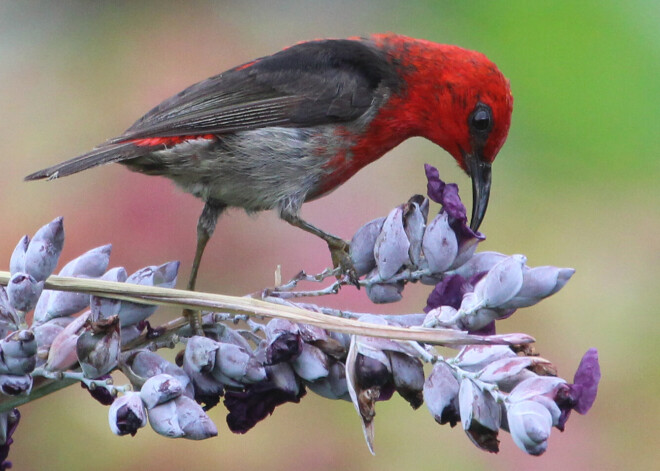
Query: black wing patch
(318, 82)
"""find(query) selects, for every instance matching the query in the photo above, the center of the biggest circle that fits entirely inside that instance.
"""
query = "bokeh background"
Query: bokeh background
(576, 185)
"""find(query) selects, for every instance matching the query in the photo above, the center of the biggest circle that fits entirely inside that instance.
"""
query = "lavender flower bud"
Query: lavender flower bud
(382, 293)
(238, 364)
(502, 282)
(159, 389)
(62, 354)
(44, 335)
(19, 344)
(479, 263)
(44, 250)
(473, 358)
(18, 353)
(392, 245)
(200, 354)
(408, 375)
(539, 283)
(91, 264)
(440, 245)
(15, 385)
(507, 372)
(103, 308)
(530, 425)
(312, 364)
(198, 363)
(363, 244)
(23, 291)
(334, 385)
(164, 421)
(480, 415)
(163, 276)
(194, 422)
(17, 261)
(142, 365)
(535, 386)
(330, 343)
(181, 418)
(54, 304)
(98, 348)
(441, 395)
(477, 318)
(440, 316)
(415, 213)
(276, 326)
(127, 414)
(8, 317)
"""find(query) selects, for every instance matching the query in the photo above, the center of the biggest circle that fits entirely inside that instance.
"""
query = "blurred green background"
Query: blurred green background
(576, 185)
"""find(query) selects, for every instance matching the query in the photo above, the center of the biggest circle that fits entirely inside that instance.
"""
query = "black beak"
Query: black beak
(480, 174)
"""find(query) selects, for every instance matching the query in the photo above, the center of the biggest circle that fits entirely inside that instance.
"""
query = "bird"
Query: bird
(288, 128)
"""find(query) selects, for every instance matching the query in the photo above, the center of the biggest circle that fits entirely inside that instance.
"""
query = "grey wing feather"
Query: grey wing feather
(313, 83)
(99, 156)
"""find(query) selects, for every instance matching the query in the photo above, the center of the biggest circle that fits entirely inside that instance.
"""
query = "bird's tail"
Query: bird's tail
(104, 154)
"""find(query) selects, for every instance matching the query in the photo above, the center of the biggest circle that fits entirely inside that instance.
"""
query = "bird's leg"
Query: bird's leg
(339, 248)
(205, 227)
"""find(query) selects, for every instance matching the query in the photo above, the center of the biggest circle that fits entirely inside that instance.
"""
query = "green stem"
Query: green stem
(42, 387)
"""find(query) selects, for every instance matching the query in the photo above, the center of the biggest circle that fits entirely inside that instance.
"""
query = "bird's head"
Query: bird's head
(458, 99)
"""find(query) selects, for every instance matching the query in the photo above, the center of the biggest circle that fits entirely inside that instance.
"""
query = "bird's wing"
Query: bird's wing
(312, 83)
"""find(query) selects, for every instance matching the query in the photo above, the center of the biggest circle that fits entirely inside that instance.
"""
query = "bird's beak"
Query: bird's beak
(480, 174)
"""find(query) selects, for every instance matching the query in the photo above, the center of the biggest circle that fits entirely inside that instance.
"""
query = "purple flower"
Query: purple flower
(127, 414)
(580, 395)
(449, 292)
(255, 403)
(102, 395)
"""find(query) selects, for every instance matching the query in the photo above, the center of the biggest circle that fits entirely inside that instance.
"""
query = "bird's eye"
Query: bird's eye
(481, 119)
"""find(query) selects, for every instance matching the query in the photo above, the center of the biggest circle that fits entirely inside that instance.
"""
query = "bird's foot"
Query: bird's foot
(339, 251)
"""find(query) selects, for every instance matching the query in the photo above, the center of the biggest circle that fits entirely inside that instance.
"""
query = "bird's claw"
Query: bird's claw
(341, 259)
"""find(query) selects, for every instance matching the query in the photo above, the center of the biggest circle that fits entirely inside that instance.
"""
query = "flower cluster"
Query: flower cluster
(490, 385)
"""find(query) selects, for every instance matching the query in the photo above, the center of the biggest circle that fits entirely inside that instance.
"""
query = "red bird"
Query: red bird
(289, 128)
